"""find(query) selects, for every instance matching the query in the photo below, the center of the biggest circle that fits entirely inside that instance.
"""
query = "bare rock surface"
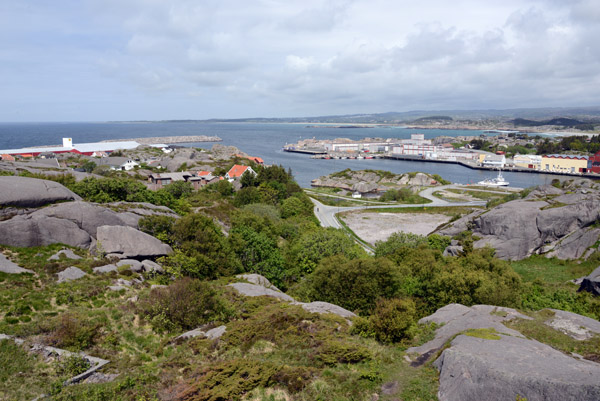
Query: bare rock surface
(552, 221)
(262, 286)
(475, 369)
(105, 269)
(9, 267)
(203, 332)
(32, 192)
(69, 254)
(457, 318)
(591, 283)
(134, 265)
(574, 325)
(367, 181)
(500, 363)
(130, 242)
(70, 274)
(150, 266)
(253, 290)
(326, 307)
(35, 230)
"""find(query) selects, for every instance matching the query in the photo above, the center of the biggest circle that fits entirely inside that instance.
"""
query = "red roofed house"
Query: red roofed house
(237, 171)
(7, 157)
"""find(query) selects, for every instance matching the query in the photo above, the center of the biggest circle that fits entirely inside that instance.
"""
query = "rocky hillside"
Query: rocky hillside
(561, 221)
(372, 181)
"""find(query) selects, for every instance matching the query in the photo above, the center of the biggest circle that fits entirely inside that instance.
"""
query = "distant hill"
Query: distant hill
(582, 115)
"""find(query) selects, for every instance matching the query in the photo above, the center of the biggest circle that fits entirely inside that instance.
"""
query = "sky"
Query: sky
(107, 60)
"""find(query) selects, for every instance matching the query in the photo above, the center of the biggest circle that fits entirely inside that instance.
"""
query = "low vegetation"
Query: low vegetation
(271, 350)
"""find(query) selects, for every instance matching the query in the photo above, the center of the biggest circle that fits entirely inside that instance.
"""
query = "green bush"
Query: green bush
(73, 331)
(183, 305)
(355, 284)
(333, 352)
(393, 319)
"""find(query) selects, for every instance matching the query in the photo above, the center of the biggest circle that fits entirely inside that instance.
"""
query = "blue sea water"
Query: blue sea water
(263, 140)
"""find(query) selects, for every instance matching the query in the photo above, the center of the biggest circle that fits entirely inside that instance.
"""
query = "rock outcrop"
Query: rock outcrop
(73, 223)
(8, 267)
(32, 192)
(70, 274)
(551, 221)
(367, 181)
(486, 360)
(261, 286)
(130, 243)
(591, 283)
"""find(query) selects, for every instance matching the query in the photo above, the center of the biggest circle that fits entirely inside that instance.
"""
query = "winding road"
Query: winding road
(326, 214)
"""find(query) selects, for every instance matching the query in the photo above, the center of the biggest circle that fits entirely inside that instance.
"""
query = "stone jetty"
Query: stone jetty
(171, 139)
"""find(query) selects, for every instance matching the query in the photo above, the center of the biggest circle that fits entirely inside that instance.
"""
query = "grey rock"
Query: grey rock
(9, 267)
(124, 282)
(134, 265)
(575, 245)
(150, 266)
(105, 269)
(453, 250)
(253, 290)
(591, 283)
(114, 256)
(574, 325)
(116, 287)
(69, 254)
(35, 230)
(474, 369)
(199, 332)
(70, 274)
(326, 307)
(216, 333)
(87, 216)
(98, 377)
(457, 318)
(130, 242)
(32, 192)
(460, 225)
(153, 286)
(258, 280)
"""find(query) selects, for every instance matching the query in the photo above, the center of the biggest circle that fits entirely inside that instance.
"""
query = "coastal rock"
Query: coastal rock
(70, 274)
(367, 181)
(8, 267)
(474, 369)
(258, 280)
(453, 250)
(130, 243)
(591, 283)
(32, 192)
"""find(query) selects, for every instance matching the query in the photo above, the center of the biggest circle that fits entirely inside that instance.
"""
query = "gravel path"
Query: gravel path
(372, 227)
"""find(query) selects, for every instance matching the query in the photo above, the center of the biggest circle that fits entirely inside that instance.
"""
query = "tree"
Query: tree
(297, 205)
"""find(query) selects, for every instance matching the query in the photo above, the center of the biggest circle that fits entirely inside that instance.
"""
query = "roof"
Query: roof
(112, 161)
(179, 176)
(81, 147)
(576, 157)
(237, 171)
(203, 173)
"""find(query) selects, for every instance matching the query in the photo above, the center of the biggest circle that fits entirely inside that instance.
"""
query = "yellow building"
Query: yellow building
(565, 163)
(528, 161)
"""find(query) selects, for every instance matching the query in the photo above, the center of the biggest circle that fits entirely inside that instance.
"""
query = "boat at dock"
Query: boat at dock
(495, 182)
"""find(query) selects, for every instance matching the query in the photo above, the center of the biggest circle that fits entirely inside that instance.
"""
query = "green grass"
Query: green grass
(23, 375)
(476, 194)
(447, 210)
(551, 270)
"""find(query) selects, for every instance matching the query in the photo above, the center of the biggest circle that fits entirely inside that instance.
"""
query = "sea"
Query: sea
(265, 140)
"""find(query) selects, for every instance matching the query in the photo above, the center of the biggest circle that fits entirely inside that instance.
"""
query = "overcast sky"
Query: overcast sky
(98, 60)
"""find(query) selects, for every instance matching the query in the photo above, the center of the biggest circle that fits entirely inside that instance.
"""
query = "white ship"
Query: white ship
(495, 182)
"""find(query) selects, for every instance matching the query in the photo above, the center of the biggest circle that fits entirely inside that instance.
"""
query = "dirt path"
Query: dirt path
(372, 227)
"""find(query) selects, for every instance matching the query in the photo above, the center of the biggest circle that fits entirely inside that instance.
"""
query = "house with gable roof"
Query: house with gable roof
(237, 171)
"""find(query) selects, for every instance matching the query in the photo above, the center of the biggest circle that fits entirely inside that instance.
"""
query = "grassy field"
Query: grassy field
(552, 270)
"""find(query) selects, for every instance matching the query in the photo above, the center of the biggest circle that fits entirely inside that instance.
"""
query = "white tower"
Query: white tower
(68, 143)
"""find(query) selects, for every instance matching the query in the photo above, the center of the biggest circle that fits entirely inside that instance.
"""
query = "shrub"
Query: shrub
(333, 352)
(73, 331)
(393, 319)
(158, 226)
(185, 304)
(355, 284)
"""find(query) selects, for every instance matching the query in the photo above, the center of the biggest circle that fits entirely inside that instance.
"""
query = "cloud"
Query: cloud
(281, 58)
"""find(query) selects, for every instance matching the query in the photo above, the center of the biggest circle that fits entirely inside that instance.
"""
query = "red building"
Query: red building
(594, 163)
